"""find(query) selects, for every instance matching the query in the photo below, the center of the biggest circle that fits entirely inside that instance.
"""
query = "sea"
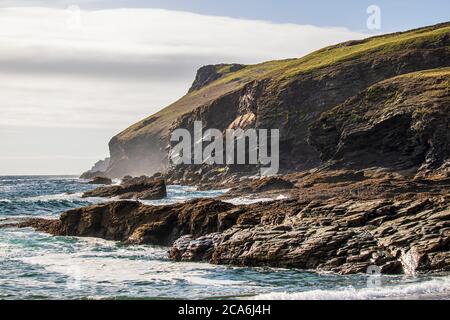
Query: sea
(35, 265)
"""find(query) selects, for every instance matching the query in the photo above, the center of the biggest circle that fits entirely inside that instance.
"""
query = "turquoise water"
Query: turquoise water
(35, 265)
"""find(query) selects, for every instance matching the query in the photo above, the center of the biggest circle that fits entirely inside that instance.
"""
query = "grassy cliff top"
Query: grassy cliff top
(281, 70)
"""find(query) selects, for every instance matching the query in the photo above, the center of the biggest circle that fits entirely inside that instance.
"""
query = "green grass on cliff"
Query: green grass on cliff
(284, 70)
(339, 53)
(419, 91)
(433, 73)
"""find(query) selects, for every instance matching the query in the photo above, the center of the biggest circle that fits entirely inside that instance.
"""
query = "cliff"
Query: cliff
(292, 95)
(401, 123)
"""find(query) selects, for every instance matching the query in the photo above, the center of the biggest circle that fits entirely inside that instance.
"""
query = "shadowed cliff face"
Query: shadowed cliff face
(210, 73)
(399, 123)
(290, 95)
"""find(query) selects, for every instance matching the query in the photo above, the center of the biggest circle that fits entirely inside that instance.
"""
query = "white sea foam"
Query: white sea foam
(180, 194)
(97, 260)
(251, 200)
(71, 197)
(5, 200)
(247, 200)
(434, 288)
(214, 282)
(116, 182)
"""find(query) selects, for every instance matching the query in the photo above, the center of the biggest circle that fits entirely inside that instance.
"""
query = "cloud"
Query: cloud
(66, 88)
(109, 68)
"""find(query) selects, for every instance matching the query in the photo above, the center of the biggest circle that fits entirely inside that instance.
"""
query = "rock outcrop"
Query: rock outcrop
(345, 236)
(97, 170)
(400, 123)
(142, 188)
(210, 73)
(260, 185)
(134, 222)
(100, 180)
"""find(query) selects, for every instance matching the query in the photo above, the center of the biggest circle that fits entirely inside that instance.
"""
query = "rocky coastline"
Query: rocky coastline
(364, 174)
(337, 221)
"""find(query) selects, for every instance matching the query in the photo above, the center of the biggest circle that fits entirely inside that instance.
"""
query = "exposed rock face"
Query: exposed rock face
(142, 188)
(207, 74)
(267, 184)
(346, 237)
(399, 123)
(100, 180)
(97, 170)
(399, 236)
(133, 222)
(186, 248)
(288, 95)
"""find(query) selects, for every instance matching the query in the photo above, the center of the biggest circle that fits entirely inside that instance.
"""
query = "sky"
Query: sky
(75, 73)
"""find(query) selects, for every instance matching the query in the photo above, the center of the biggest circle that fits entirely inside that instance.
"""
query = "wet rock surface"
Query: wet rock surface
(264, 184)
(134, 222)
(142, 188)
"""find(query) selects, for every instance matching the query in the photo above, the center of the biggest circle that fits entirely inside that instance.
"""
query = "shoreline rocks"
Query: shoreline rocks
(100, 180)
(408, 232)
(142, 188)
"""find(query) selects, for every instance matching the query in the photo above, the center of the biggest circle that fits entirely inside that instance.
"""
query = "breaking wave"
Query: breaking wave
(437, 288)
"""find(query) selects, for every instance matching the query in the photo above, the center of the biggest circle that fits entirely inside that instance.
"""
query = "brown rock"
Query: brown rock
(142, 188)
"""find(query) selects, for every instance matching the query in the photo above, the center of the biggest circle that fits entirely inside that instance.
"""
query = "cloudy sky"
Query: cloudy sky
(74, 73)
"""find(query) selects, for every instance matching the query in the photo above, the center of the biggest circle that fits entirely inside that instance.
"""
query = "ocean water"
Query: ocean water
(35, 265)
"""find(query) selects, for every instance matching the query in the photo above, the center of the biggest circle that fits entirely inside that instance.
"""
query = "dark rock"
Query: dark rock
(91, 174)
(399, 123)
(126, 178)
(207, 74)
(133, 222)
(101, 180)
(98, 169)
(270, 184)
(349, 244)
(187, 248)
(142, 188)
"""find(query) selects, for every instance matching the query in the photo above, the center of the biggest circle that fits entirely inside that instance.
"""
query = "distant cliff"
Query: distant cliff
(97, 169)
(340, 104)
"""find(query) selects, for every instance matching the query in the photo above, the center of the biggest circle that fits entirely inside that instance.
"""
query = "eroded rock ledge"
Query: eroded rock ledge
(140, 188)
(408, 233)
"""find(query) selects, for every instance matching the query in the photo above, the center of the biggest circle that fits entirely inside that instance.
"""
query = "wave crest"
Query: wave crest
(437, 288)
